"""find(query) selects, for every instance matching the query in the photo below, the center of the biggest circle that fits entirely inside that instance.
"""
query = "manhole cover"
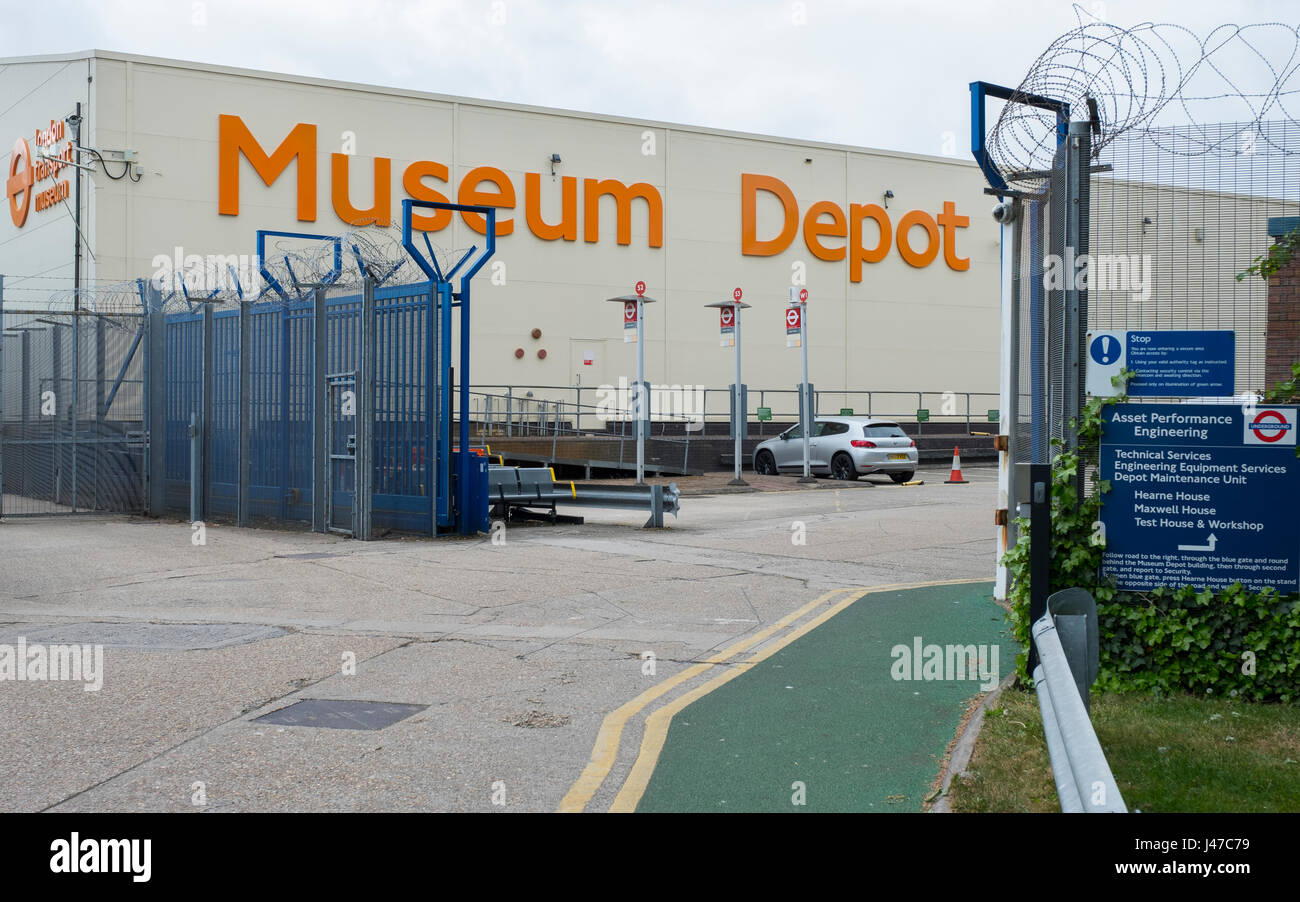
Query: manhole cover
(145, 636)
(341, 715)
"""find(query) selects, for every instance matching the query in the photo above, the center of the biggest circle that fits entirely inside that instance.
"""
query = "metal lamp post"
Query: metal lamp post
(638, 302)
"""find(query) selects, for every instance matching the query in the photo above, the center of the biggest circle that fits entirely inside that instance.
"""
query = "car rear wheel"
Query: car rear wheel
(842, 467)
(764, 465)
(901, 478)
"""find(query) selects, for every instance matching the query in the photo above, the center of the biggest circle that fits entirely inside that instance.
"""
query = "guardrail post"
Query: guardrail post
(656, 506)
(1075, 614)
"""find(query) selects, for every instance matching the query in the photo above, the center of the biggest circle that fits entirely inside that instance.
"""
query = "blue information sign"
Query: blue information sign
(1179, 364)
(1201, 494)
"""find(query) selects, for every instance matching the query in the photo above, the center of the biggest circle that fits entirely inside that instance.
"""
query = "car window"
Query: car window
(794, 432)
(833, 428)
(884, 430)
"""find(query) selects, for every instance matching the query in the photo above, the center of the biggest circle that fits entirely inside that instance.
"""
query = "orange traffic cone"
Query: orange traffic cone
(956, 477)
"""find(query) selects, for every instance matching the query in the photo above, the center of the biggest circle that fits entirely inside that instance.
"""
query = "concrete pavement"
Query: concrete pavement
(521, 651)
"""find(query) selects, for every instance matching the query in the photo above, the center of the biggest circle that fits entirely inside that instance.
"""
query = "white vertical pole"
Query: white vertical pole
(739, 424)
(642, 401)
(1007, 405)
(805, 424)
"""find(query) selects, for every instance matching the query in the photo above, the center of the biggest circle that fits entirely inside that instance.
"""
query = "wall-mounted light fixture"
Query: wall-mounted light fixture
(888, 195)
(555, 158)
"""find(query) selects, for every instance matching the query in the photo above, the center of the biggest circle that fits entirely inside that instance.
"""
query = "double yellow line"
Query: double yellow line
(605, 751)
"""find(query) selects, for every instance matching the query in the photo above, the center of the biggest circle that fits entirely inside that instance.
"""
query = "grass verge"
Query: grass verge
(1168, 754)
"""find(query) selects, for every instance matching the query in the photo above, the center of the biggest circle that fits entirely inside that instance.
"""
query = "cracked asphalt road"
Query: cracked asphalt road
(519, 650)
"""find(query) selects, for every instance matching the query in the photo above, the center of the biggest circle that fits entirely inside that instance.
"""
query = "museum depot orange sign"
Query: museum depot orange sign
(865, 233)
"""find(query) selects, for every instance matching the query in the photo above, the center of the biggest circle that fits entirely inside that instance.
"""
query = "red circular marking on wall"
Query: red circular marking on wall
(541, 354)
(519, 352)
(20, 181)
(537, 333)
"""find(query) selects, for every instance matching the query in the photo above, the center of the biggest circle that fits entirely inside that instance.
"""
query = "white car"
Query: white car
(843, 447)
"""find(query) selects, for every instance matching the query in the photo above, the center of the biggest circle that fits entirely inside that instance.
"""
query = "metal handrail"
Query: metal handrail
(519, 405)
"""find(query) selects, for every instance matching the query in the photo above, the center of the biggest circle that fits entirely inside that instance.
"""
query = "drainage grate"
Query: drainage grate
(338, 714)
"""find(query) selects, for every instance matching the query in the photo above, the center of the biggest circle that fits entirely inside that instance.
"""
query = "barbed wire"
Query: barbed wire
(103, 297)
(1153, 79)
(293, 269)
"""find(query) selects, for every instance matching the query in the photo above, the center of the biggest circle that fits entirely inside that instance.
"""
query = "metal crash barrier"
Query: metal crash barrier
(517, 491)
(1066, 637)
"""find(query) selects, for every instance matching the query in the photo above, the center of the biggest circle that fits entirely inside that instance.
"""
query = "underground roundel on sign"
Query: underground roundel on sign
(629, 312)
(1271, 427)
(728, 316)
(792, 318)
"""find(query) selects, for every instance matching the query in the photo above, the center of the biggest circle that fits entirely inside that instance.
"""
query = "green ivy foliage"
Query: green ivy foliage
(1277, 258)
(1231, 641)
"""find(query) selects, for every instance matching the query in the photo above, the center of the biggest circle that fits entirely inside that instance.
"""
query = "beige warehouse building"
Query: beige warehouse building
(897, 251)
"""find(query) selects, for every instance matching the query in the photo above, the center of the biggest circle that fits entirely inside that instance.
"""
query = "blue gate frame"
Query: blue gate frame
(262, 444)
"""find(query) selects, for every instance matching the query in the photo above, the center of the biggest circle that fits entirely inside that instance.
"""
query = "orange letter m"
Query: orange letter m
(235, 139)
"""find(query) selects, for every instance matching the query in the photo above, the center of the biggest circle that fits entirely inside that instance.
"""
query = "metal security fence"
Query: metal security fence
(72, 436)
(257, 409)
(1189, 207)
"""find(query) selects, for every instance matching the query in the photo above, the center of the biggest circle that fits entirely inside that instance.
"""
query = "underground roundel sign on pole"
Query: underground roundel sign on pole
(727, 321)
(793, 322)
(629, 318)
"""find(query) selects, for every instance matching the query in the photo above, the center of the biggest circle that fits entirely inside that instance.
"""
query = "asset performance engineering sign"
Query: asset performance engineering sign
(1201, 494)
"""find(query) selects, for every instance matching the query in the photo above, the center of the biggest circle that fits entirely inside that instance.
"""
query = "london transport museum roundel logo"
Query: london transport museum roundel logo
(18, 186)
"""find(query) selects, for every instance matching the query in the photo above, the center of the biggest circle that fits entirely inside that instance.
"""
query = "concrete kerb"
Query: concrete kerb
(964, 746)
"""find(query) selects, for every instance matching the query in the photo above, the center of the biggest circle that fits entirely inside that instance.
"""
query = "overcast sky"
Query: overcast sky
(879, 74)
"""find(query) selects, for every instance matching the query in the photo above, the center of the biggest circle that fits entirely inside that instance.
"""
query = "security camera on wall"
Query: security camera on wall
(1004, 212)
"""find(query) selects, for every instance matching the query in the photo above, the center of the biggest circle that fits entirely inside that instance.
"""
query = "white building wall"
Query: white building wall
(899, 328)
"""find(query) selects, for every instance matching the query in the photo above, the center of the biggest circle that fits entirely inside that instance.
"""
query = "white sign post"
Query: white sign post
(729, 321)
(796, 317)
(634, 319)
